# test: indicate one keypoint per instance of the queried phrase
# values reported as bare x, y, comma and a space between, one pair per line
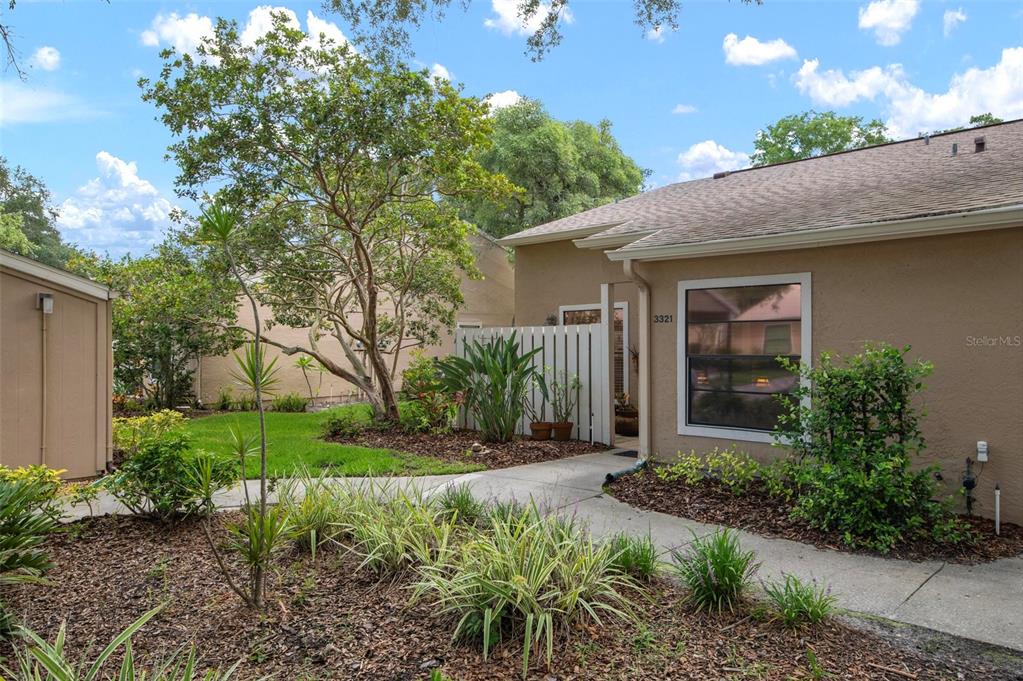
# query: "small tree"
338, 165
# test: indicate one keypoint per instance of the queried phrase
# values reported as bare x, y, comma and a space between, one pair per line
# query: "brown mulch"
466, 446
327, 620
756, 511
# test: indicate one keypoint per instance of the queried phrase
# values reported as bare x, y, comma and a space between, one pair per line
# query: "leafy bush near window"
289, 402
732, 468
796, 602
131, 434
687, 467
166, 481
493, 379
855, 443
716, 570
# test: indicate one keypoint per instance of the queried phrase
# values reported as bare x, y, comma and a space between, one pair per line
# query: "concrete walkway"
981, 602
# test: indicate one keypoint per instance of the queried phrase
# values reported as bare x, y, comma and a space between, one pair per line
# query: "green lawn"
294, 443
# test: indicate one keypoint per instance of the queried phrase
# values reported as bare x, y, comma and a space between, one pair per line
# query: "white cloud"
751, 52
46, 58
439, 71
508, 21
499, 100
888, 19
260, 22
183, 33
117, 211
703, 159
22, 103
909, 109
656, 34
683, 109
951, 19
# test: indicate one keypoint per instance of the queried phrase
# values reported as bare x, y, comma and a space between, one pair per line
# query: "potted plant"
564, 394
539, 428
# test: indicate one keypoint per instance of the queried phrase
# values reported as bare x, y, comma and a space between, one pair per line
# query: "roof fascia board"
561, 235
613, 240
57, 276
993, 218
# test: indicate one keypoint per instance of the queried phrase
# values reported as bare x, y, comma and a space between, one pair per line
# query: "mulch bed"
327, 620
756, 511
466, 446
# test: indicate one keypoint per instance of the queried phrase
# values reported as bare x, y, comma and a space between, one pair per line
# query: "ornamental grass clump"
313, 509
526, 576
716, 570
796, 603
635, 556
458, 502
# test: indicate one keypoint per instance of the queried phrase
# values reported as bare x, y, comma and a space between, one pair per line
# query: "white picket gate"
576, 349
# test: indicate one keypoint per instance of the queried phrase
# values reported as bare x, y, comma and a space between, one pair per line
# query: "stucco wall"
77, 386
488, 300
950, 297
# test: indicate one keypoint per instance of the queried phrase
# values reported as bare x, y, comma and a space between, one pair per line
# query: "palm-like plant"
493, 377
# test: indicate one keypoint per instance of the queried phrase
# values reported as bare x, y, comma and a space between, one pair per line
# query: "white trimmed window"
730, 335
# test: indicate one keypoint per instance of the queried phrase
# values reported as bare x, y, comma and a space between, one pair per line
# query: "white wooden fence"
578, 349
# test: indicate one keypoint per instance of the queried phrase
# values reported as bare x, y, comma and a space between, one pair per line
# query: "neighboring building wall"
78, 383
488, 301
938, 295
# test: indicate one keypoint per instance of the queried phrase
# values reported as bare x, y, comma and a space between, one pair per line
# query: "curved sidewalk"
979, 602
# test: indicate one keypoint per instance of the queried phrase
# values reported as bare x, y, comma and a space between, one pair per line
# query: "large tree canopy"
339, 169
25, 206
563, 168
383, 25
811, 134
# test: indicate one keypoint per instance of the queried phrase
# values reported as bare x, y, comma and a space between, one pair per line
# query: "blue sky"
684, 104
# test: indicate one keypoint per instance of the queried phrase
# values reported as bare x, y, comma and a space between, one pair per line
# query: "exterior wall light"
44, 302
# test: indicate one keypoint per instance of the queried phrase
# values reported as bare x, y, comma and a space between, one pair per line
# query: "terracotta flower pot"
540, 430
562, 431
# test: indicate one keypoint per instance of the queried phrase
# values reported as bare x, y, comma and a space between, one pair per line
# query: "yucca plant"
260, 535
797, 602
716, 570
40, 660
493, 378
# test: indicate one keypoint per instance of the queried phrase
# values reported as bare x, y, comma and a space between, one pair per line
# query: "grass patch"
295, 444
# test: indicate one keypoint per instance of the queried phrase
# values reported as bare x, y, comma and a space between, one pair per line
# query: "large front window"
734, 333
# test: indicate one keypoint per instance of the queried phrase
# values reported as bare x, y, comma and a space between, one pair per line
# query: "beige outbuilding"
914, 243
56, 375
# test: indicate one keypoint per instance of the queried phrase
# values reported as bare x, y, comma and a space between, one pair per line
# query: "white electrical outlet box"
981, 451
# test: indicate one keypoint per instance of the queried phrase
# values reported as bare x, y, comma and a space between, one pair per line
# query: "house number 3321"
662, 319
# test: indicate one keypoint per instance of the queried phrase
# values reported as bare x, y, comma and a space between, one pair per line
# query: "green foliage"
564, 394
855, 442
313, 509
12, 238
635, 556
27, 215
428, 408
492, 378
310, 366
173, 309
257, 538
562, 168
225, 399
734, 469
687, 467
392, 138
289, 402
346, 423
254, 372
716, 570
44, 661
814, 133
797, 602
529, 574
167, 482
130, 434
458, 502
26, 518
245, 402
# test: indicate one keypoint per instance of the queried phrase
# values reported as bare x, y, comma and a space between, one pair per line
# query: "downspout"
42, 389
644, 357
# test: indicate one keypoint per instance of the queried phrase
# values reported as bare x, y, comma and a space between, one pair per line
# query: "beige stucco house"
488, 302
917, 242
56, 376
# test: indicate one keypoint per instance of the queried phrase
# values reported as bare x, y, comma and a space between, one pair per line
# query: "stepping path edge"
976, 602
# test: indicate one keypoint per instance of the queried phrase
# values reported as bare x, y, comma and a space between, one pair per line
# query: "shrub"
716, 570
346, 423
315, 513
429, 413
734, 469
493, 379
225, 398
458, 502
26, 518
165, 481
257, 538
421, 376
687, 467
635, 556
245, 403
855, 432
796, 602
289, 402
131, 434
529, 574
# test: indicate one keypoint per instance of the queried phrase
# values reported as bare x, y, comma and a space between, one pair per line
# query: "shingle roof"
893, 181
